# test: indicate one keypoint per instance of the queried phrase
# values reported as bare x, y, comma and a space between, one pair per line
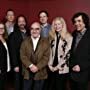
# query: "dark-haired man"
80, 53
43, 17
10, 20
15, 40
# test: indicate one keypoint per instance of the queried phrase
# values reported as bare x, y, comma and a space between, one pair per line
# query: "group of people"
44, 56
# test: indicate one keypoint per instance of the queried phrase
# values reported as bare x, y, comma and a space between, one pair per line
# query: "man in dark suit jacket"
80, 53
15, 40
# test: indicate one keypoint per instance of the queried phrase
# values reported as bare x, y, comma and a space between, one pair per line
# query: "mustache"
22, 25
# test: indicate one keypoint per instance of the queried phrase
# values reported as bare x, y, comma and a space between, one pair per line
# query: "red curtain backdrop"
30, 8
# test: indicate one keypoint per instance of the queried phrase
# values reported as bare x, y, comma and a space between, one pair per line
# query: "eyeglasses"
35, 29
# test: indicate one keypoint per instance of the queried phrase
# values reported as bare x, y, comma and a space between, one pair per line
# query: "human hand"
51, 68
16, 69
34, 68
76, 68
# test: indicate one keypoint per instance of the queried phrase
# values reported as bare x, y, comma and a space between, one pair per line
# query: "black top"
3, 59
56, 51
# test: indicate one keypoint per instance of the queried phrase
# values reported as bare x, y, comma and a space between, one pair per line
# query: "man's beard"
22, 26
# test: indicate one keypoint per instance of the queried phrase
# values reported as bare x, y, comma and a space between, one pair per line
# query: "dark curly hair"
85, 18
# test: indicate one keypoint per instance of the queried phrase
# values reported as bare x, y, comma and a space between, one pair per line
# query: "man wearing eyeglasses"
34, 56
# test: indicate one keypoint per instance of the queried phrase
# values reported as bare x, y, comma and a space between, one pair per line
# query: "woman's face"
2, 29
58, 26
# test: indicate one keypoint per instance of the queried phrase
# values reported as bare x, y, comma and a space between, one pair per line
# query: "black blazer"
81, 57
3, 59
15, 40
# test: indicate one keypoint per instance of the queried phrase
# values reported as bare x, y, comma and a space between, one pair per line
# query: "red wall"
30, 8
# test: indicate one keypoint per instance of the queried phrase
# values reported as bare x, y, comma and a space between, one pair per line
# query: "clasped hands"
34, 68
53, 69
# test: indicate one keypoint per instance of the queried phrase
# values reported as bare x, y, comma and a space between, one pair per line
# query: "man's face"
43, 18
10, 16
35, 30
21, 22
79, 24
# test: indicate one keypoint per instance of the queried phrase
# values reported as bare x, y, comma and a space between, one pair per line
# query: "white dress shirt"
35, 41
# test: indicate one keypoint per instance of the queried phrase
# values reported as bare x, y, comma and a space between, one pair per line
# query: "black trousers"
33, 84
78, 85
18, 81
2, 81
58, 81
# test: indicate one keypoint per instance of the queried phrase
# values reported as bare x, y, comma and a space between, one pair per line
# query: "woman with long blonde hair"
61, 41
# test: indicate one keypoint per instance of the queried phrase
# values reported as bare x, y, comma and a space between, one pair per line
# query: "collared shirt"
23, 33
10, 28
35, 41
79, 36
45, 30
8, 57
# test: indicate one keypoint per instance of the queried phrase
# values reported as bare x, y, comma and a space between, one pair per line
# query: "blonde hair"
64, 32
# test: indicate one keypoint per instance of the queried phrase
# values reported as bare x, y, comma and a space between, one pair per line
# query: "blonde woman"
61, 41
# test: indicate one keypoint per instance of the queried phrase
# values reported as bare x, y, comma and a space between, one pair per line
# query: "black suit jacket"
81, 56
3, 59
15, 40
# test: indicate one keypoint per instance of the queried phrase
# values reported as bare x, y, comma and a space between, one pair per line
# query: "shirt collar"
23, 31
44, 25
82, 32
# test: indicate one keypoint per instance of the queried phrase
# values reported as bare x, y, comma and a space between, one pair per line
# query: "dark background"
30, 8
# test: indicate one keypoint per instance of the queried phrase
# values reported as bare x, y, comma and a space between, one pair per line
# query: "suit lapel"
39, 45
74, 39
31, 43
81, 42
21, 38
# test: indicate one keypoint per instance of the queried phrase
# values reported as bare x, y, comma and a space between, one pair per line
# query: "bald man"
34, 56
